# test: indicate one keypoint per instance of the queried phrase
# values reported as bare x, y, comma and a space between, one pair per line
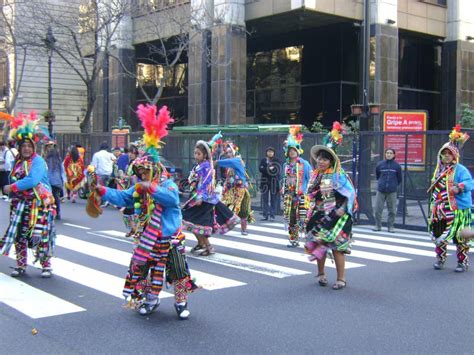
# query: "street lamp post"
50, 45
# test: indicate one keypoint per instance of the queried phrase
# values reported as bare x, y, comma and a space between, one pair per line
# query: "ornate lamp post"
49, 116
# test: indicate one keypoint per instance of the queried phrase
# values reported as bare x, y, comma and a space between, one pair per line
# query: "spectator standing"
389, 176
56, 177
270, 169
8, 156
103, 161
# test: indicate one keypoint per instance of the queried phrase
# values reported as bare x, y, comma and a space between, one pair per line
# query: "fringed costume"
32, 208
295, 181
332, 204
74, 175
450, 204
160, 246
236, 193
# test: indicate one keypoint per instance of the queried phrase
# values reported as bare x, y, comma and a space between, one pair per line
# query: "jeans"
273, 196
380, 199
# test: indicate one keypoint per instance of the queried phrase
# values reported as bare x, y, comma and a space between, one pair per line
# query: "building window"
435, 2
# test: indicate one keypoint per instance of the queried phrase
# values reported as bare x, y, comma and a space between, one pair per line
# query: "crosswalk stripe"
398, 249
97, 280
207, 281
31, 301
236, 262
76, 226
354, 253
399, 241
270, 251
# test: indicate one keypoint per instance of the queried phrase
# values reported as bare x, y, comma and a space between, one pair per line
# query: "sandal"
209, 251
339, 285
322, 280
197, 248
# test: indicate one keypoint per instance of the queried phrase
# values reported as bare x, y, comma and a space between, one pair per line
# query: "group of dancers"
319, 204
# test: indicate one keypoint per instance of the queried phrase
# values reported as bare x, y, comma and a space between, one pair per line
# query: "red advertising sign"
406, 121
120, 138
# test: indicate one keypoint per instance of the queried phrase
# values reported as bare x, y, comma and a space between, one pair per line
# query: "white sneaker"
46, 273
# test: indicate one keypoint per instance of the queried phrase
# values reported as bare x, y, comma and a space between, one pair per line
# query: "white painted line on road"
236, 262
31, 301
97, 280
207, 281
76, 226
355, 253
255, 266
399, 241
269, 251
404, 250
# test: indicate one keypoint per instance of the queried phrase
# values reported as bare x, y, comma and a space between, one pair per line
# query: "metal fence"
359, 156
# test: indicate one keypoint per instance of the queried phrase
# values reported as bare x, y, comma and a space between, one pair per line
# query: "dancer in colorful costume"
236, 194
295, 181
203, 213
451, 200
156, 204
332, 204
74, 167
32, 208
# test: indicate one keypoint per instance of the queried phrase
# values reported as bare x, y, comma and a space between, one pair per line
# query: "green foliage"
318, 127
467, 117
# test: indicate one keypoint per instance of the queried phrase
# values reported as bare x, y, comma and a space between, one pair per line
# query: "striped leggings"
21, 248
462, 252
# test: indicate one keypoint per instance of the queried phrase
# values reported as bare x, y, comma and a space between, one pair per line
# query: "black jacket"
389, 176
271, 173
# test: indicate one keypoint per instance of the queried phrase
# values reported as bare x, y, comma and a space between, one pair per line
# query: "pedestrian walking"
203, 213
32, 207
103, 161
155, 200
74, 168
389, 176
270, 170
450, 202
332, 204
7, 159
236, 193
297, 172
56, 177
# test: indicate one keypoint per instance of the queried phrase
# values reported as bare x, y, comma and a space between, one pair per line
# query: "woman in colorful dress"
32, 208
74, 167
332, 204
156, 204
236, 194
451, 200
297, 172
203, 213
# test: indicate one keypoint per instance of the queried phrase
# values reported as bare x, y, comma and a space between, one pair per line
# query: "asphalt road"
258, 297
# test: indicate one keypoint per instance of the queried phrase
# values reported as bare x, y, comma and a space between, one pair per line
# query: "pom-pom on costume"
450, 201
155, 200
236, 194
295, 181
203, 213
32, 208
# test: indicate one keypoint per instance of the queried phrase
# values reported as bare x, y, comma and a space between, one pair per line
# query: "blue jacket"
462, 175
389, 176
37, 174
166, 195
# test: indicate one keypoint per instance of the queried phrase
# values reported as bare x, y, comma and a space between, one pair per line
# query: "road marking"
395, 248
76, 226
207, 281
236, 262
354, 253
270, 251
31, 301
97, 280
399, 241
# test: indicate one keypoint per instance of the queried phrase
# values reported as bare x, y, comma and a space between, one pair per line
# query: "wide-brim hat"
206, 147
315, 149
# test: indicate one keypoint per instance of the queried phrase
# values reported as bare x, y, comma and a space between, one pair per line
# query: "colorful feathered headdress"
294, 140
456, 141
24, 127
233, 147
334, 138
155, 127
